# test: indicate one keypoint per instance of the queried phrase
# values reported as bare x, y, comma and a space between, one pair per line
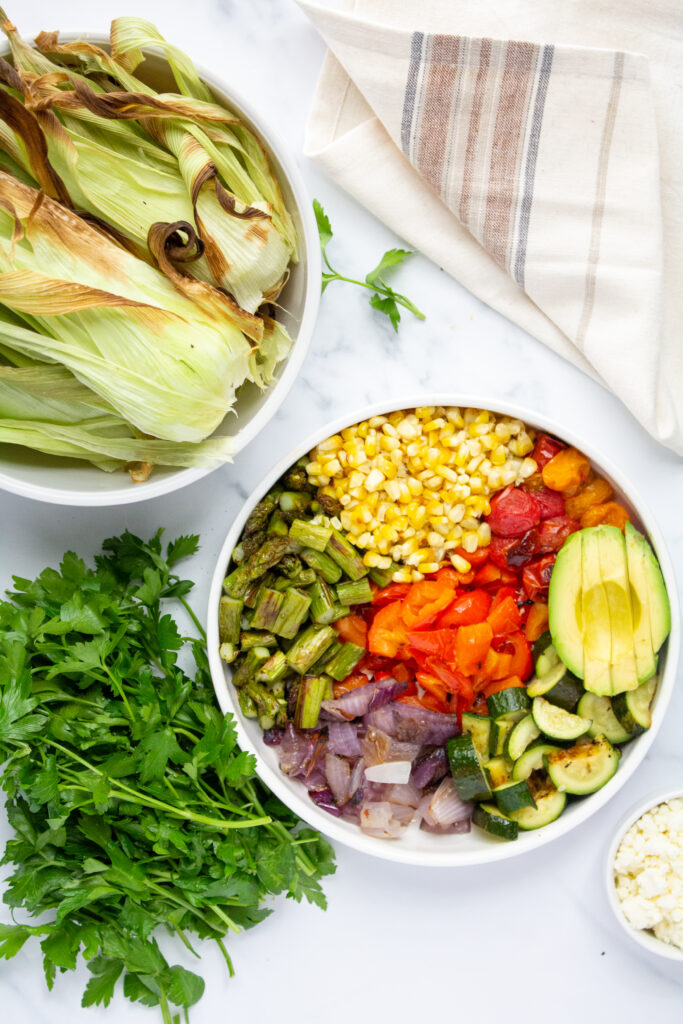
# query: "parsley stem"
134, 796
188, 609
224, 918
226, 955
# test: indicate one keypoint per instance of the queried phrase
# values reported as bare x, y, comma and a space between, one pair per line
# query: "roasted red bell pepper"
353, 629
471, 607
438, 642
388, 634
504, 615
472, 644
425, 602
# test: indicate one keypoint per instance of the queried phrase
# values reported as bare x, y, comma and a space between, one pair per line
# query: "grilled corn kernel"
416, 484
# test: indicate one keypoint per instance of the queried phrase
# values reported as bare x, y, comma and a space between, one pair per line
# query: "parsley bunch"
131, 804
384, 298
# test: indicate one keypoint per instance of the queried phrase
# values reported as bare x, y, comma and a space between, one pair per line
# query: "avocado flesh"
648, 583
595, 619
614, 572
564, 605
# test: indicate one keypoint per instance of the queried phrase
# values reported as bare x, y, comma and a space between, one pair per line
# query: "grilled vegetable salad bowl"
446, 627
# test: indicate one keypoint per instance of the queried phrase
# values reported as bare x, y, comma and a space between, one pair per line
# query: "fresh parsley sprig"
132, 807
384, 298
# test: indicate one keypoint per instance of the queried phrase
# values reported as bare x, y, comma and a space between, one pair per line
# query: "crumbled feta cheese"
648, 872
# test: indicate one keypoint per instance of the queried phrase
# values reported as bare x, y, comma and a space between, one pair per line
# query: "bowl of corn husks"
160, 268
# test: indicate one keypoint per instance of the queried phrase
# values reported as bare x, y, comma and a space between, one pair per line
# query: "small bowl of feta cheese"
645, 874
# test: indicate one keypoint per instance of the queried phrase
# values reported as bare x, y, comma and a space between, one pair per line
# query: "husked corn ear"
415, 484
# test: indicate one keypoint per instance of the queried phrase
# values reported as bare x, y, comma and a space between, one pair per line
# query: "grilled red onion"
343, 739
296, 751
379, 747
358, 702
357, 777
384, 820
407, 795
429, 766
338, 777
272, 737
442, 807
457, 828
415, 725
324, 799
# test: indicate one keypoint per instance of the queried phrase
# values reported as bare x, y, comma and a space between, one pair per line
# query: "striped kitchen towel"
526, 165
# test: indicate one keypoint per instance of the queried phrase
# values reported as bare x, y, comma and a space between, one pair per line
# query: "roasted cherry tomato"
550, 503
552, 533
610, 512
545, 449
475, 558
353, 629
471, 607
594, 491
513, 512
536, 577
567, 470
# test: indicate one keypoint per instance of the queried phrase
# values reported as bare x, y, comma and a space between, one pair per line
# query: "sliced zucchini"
541, 645
532, 760
498, 771
466, 769
523, 732
500, 730
557, 723
479, 727
583, 768
549, 804
489, 818
507, 702
633, 708
603, 720
513, 796
559, 686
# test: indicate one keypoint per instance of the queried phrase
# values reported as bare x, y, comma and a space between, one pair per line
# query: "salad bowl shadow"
63, 481
417, 846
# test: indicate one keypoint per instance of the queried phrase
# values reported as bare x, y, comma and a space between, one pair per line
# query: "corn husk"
46, 408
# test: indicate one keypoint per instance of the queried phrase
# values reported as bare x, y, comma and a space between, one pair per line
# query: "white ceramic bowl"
71, 482
646, 939
416, 846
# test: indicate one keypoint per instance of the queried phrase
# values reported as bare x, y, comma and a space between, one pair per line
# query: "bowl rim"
644, 938
276, 395
348, 833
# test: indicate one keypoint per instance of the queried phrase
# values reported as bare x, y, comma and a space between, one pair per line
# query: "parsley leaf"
384, 299
127, 794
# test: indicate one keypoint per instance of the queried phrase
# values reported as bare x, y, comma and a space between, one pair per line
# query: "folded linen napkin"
518, 145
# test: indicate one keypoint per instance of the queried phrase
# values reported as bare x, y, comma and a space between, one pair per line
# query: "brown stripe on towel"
438, 93
599, 202
473, 131
416, 44
506, 151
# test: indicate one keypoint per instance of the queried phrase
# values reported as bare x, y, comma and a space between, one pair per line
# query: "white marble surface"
528, 940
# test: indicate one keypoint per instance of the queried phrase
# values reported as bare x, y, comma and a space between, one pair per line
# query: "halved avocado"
651, 609
615, 579
564, 604
595, 620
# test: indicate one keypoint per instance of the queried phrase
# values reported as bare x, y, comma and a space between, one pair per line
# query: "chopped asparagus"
326, 657
332, 506
303, 579
249, 640
235, 585
322, 602
344, 662
294, 502
308, 647
250, 665
229, 619
292, 613
357, 592
345, 556
267, 608
277, 525
322, 564
312, 692
247, 704
268, 706
296, 478
228, 652
273, 670
260, 514
383, 577
310, 535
